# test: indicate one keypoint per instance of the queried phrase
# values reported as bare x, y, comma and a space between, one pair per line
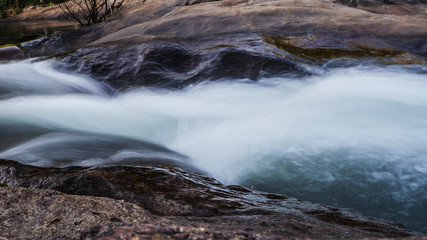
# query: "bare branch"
90, 11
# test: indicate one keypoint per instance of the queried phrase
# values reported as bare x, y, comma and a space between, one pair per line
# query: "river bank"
166, 198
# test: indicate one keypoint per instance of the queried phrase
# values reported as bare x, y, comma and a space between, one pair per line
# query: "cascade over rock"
181, 43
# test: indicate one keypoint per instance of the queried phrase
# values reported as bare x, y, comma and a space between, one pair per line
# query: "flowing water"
351, 137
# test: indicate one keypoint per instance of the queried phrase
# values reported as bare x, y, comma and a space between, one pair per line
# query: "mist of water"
39, 78
354, 137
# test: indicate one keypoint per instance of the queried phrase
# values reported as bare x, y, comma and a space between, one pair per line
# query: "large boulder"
11, 53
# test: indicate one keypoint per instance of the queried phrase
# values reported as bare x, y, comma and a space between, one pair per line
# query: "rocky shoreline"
175, 43
103, 203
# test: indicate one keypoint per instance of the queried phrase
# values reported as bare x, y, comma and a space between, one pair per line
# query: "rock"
143, 22
235, 63
162, 64
271, 17
177, 65
174, 20
190, 200
192, 2
177, 192
173, 43
379, 2
359, 50
176, 45
397, 7
150, 231
46, 214
11, 53
44, 46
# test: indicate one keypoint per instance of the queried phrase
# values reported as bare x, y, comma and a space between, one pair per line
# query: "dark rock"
11, 53
232, 63
414, 45
167, 65
161, 64
177, 65
112, 64
45, 46
190, 199
177, 192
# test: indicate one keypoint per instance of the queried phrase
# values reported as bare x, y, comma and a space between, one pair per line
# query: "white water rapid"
353, 137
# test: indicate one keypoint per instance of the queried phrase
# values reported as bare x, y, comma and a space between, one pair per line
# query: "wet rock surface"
176, 196
178, 64
160, 190
163, 64
11, 53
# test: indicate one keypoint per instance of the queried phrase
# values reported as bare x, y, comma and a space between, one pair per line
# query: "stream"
353, 137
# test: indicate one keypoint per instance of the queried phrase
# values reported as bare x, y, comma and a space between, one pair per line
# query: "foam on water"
354, 137
29, 78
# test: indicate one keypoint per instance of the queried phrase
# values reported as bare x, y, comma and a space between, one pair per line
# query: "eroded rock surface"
150, 231
162, 64
182, 198
46, 214
249, 56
